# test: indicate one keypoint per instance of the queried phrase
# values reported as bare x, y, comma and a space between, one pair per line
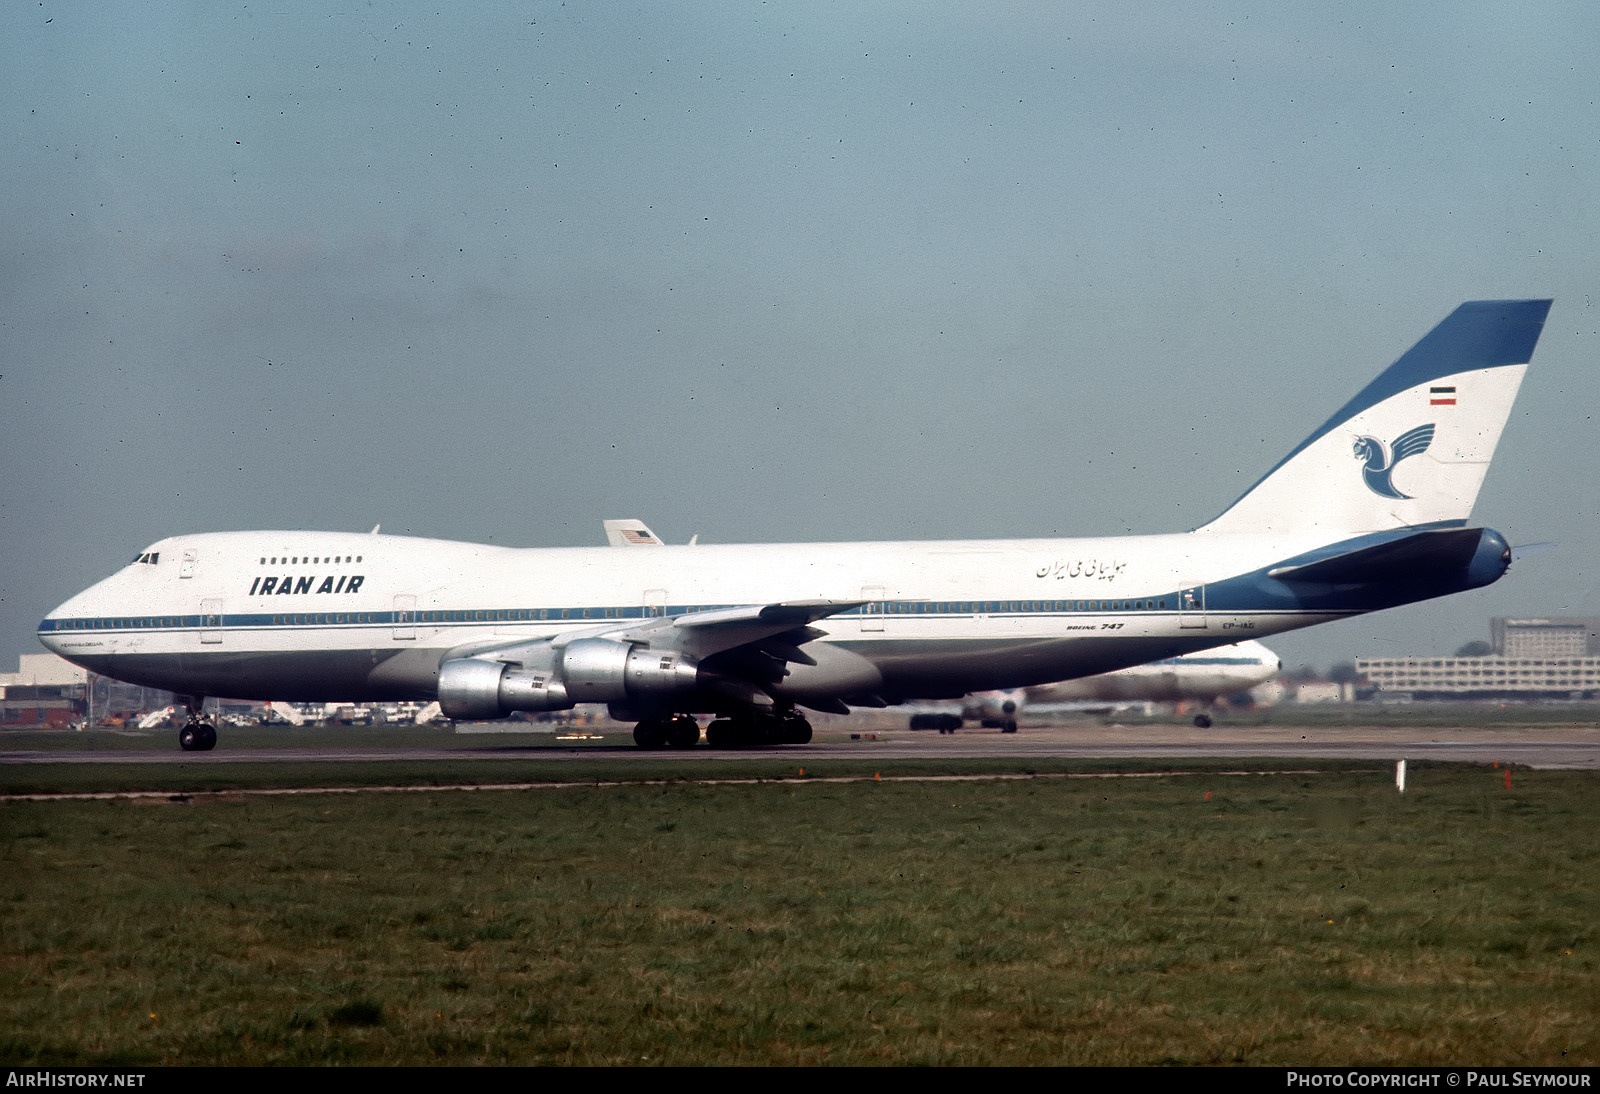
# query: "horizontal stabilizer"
630, 533
1422, 555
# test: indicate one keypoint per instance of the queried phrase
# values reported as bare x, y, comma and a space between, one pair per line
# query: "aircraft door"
211, 621
872, 610
655, 603
405, 616
1192, 607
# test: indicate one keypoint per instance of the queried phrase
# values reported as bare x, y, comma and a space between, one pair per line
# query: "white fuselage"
340, 616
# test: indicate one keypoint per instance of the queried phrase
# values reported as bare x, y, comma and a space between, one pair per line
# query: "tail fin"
1412, 448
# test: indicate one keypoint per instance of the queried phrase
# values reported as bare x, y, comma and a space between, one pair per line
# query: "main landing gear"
197, 734
678, 731
753, 728
745, 730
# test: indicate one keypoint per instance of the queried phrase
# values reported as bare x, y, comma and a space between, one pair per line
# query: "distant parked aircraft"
1203, 676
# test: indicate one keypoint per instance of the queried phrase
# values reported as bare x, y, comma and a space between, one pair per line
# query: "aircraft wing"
738, 651
742, 651
778, 629
718, 630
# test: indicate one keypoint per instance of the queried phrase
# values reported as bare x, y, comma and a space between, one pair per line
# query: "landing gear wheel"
723, 733
794, 729
197, 734
651, 733
1203, 721
197, 737
1009, 726
683, 732
788, 727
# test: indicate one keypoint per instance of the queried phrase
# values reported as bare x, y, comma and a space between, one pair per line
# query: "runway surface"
1562, 747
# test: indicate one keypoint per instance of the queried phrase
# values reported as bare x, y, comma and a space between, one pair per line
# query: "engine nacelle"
475, 690
589, 670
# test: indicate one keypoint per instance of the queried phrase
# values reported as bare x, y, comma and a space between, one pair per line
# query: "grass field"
1203, 919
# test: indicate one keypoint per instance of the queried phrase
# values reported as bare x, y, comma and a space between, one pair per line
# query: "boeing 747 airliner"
1369, 512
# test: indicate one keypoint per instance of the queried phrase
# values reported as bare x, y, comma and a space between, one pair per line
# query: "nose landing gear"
197, 734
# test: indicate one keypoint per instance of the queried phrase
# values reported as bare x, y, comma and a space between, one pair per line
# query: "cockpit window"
149, 558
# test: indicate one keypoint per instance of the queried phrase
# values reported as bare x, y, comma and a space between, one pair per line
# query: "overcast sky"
771, 272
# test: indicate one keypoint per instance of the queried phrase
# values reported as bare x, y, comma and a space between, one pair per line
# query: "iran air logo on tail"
1378, 460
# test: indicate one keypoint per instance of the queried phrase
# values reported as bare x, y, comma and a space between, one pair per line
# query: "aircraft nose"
48, 635
52, 630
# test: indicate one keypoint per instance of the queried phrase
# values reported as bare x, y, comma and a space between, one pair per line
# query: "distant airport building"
1532, 659
46, 690
51, 691
44, 670
1571, 637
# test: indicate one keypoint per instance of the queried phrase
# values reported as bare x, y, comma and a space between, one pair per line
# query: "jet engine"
545, 677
